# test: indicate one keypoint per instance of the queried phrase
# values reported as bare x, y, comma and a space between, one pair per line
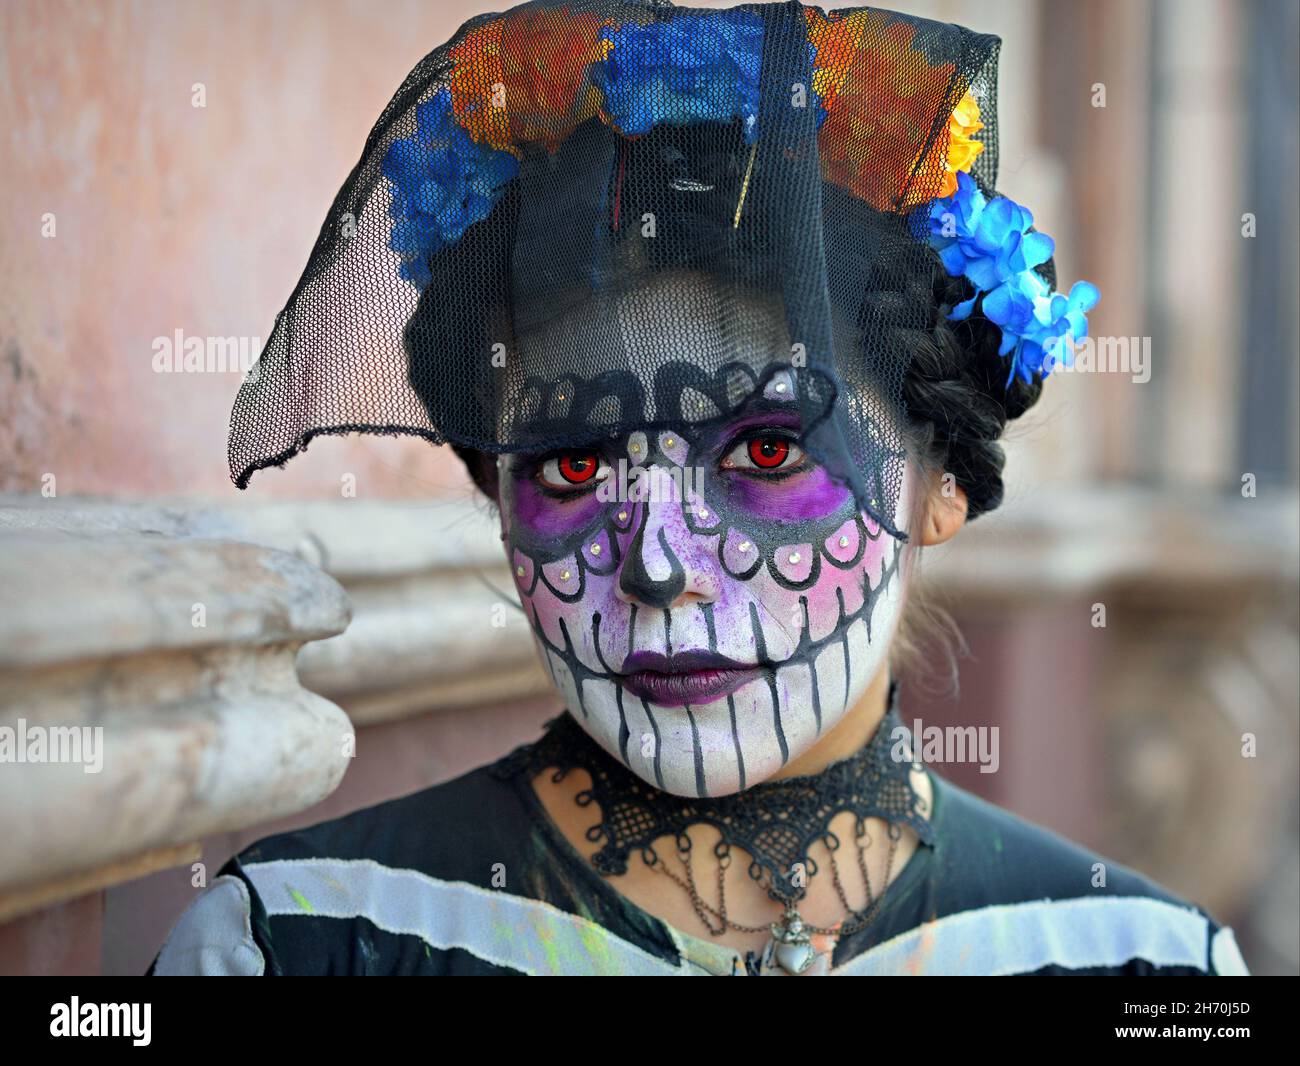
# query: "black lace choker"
776, 822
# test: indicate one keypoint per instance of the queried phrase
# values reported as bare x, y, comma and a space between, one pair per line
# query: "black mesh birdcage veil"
535, 325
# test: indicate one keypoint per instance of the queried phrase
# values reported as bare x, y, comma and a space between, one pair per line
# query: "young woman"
722, 313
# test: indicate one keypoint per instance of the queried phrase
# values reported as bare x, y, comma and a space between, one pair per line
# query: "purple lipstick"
686, 677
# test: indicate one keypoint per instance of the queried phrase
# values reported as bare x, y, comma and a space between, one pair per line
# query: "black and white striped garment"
472, 877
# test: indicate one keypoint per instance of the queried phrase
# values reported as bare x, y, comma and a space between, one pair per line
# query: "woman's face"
708, 601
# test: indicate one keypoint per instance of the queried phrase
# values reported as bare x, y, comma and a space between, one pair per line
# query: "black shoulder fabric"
963, 897
998, 884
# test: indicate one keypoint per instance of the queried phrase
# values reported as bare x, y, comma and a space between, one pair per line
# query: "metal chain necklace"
857, 921
775, 823
790, 946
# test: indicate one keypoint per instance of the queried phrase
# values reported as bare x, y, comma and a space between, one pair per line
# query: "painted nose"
663, 567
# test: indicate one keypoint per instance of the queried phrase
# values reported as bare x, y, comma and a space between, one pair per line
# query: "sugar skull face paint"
704, 637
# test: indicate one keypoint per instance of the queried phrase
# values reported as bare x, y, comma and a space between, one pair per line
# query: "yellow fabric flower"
963, 149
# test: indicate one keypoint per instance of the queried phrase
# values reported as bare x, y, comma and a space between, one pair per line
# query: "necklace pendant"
791, 947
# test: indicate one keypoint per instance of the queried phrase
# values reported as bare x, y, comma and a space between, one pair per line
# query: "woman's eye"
571, 469
764, 453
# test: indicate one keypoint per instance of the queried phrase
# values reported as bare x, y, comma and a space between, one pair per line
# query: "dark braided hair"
958, 399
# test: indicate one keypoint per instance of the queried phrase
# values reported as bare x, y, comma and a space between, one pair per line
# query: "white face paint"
705, 637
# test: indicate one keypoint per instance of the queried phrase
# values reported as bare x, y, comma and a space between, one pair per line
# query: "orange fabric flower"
884, 108
836, 42
519, 79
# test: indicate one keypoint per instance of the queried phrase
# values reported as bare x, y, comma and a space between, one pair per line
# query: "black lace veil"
547, 188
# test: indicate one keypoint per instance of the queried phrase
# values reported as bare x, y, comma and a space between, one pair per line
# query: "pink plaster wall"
174, 217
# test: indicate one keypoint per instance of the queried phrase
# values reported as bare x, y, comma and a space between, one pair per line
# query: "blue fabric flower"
442, 183
820, 111
988, 242
692, 68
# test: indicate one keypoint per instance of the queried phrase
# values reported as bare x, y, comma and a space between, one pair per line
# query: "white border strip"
528, 935
1226, 956
1020, 938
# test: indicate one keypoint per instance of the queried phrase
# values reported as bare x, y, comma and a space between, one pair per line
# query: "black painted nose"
635, 579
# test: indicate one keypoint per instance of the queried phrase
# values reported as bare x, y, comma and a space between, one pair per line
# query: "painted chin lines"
719, 745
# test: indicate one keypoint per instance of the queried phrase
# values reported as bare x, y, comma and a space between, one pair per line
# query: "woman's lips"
687, 677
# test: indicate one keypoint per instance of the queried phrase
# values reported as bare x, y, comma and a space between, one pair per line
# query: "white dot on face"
745, 545
795, 557
622, 516
669, 442
781, 386
703, 513
564, 575
595, 549
634, 448
844, 542
519, 570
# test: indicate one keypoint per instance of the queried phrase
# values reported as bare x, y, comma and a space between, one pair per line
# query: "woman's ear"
945, 510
